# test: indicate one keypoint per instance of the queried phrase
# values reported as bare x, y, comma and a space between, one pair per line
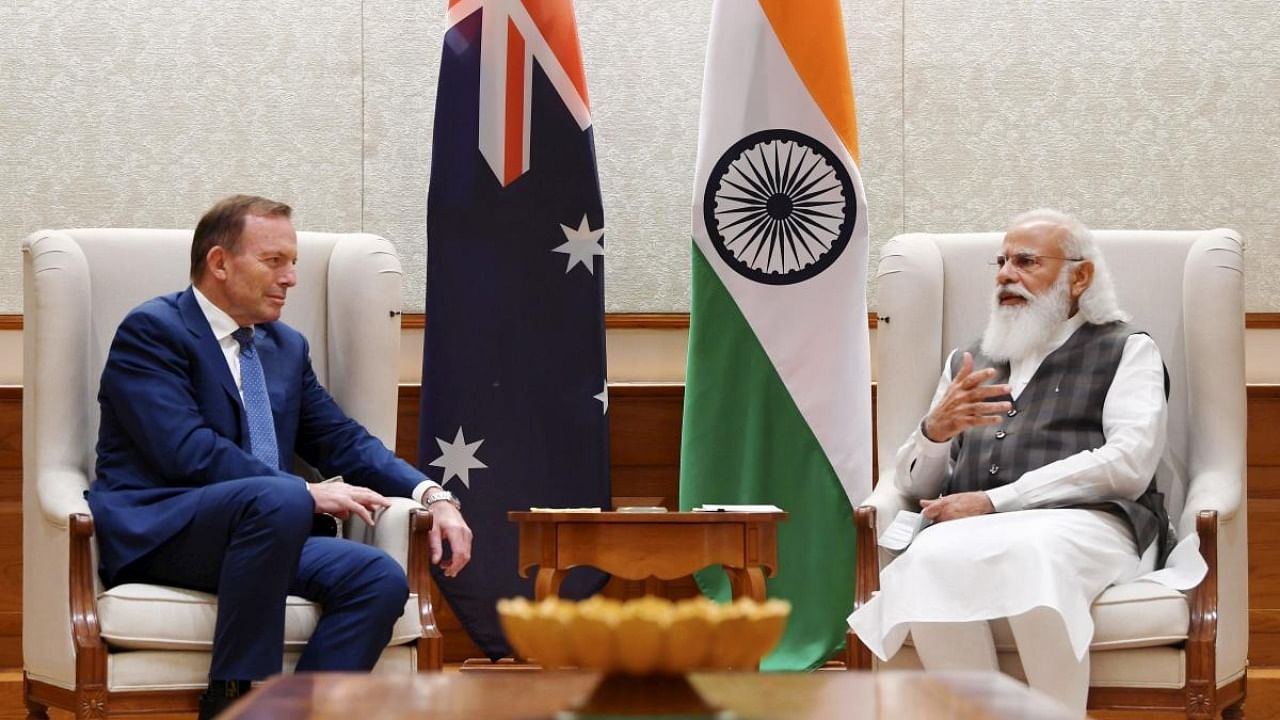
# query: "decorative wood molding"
646, 321
1262, 321
677, 321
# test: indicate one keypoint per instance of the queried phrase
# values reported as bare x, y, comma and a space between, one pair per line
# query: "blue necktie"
257, 404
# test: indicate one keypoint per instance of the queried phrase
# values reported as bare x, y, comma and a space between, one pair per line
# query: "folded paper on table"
737, 508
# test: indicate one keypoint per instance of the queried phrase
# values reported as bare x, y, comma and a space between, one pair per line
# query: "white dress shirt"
222, 326
1134, 415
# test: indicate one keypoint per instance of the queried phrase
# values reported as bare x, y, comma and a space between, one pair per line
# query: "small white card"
902, 531
738, 508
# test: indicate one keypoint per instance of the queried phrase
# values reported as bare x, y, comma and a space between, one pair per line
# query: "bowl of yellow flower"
644, 636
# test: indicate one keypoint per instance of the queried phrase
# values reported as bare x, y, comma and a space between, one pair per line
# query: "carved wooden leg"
35, 710
91, 704
1234, 711
547, 583
756, 589
1201, 701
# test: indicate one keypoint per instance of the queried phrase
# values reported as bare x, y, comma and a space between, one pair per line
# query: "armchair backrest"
79, 285
1185, 289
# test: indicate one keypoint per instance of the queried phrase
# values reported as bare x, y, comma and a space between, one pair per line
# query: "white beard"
1015, 332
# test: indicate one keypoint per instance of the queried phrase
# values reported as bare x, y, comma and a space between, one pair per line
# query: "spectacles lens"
1026, 262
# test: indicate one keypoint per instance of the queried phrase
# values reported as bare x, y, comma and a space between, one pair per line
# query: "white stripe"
814, 331
493, 95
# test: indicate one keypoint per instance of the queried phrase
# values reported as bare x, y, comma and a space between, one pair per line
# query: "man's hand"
965, 404
340, 500
447, 524
959, 505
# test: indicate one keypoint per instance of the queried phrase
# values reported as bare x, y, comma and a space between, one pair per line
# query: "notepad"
565, 510
738, 508
904, 528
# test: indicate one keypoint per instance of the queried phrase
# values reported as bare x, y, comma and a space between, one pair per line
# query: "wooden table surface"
776, 696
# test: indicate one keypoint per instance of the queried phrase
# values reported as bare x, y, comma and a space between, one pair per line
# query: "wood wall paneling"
1264, 525
11, 527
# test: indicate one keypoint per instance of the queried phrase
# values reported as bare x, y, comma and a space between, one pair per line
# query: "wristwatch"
440, 495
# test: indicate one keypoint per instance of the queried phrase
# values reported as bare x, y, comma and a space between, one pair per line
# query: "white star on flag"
582, 246
603, 397
458, 459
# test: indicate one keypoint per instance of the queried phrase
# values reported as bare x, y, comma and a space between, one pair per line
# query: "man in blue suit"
206, 397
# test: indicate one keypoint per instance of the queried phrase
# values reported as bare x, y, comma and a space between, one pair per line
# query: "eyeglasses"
1028, 262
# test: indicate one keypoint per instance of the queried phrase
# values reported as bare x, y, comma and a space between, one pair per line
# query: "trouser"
1048, 659
250, 543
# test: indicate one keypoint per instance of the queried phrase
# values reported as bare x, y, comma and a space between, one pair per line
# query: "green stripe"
744, 441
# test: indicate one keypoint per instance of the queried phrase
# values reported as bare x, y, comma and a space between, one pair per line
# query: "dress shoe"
220, 695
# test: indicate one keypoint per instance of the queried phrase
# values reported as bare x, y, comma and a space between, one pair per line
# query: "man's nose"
1006, 274
289, 278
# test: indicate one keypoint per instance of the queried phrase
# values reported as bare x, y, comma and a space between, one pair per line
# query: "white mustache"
1014, 290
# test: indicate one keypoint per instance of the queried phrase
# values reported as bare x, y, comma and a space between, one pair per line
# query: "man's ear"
215, 262
1081, 278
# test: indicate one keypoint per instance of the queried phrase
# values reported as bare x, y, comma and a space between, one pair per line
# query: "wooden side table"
636, 546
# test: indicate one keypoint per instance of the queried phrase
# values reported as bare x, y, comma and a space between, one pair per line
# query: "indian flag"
777, 398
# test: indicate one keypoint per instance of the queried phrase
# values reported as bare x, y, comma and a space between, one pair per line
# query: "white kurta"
1019, 558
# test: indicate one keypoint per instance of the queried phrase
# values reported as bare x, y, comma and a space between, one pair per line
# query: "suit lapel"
208, 349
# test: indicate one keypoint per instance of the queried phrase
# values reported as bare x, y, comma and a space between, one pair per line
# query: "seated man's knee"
389, 583
285, 502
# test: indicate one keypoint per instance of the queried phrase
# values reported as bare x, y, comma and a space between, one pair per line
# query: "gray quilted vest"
1058, 414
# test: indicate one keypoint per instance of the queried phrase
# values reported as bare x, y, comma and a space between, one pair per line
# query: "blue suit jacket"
173, 421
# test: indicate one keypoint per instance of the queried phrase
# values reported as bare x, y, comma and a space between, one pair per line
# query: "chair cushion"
137, 616
136, 670
1139, 614
1133, 615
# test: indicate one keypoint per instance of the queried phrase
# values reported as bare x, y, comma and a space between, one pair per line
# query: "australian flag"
514, 401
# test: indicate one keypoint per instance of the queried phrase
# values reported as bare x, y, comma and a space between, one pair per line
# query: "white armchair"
145, 648
1153, 648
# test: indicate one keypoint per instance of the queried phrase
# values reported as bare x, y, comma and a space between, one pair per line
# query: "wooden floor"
1263, 702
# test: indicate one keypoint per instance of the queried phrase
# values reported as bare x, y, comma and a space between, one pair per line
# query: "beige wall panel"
1129, 114
644, 63
402, 43
874, 31
120, 113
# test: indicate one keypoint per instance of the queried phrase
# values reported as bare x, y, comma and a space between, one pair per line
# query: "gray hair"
1098, 304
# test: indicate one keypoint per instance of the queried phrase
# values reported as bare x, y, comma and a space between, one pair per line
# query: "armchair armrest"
91, 652
403, 531
867, 580
876, 511
1202, 635
887, 501
431, 645
61, 493
1212, 490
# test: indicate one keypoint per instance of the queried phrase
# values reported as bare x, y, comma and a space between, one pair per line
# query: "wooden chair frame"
1200, 698
91, 699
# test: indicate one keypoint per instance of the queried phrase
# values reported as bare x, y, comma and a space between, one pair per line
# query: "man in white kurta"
1039, 548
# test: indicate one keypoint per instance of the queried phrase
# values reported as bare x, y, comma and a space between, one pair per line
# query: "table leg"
753, 584
747, 583
547, 583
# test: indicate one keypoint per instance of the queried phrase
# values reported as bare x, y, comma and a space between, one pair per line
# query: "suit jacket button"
1000, 434
1012, 412
995, 469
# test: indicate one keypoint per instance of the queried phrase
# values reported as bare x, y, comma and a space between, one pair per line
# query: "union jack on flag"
514, 400
515, 35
